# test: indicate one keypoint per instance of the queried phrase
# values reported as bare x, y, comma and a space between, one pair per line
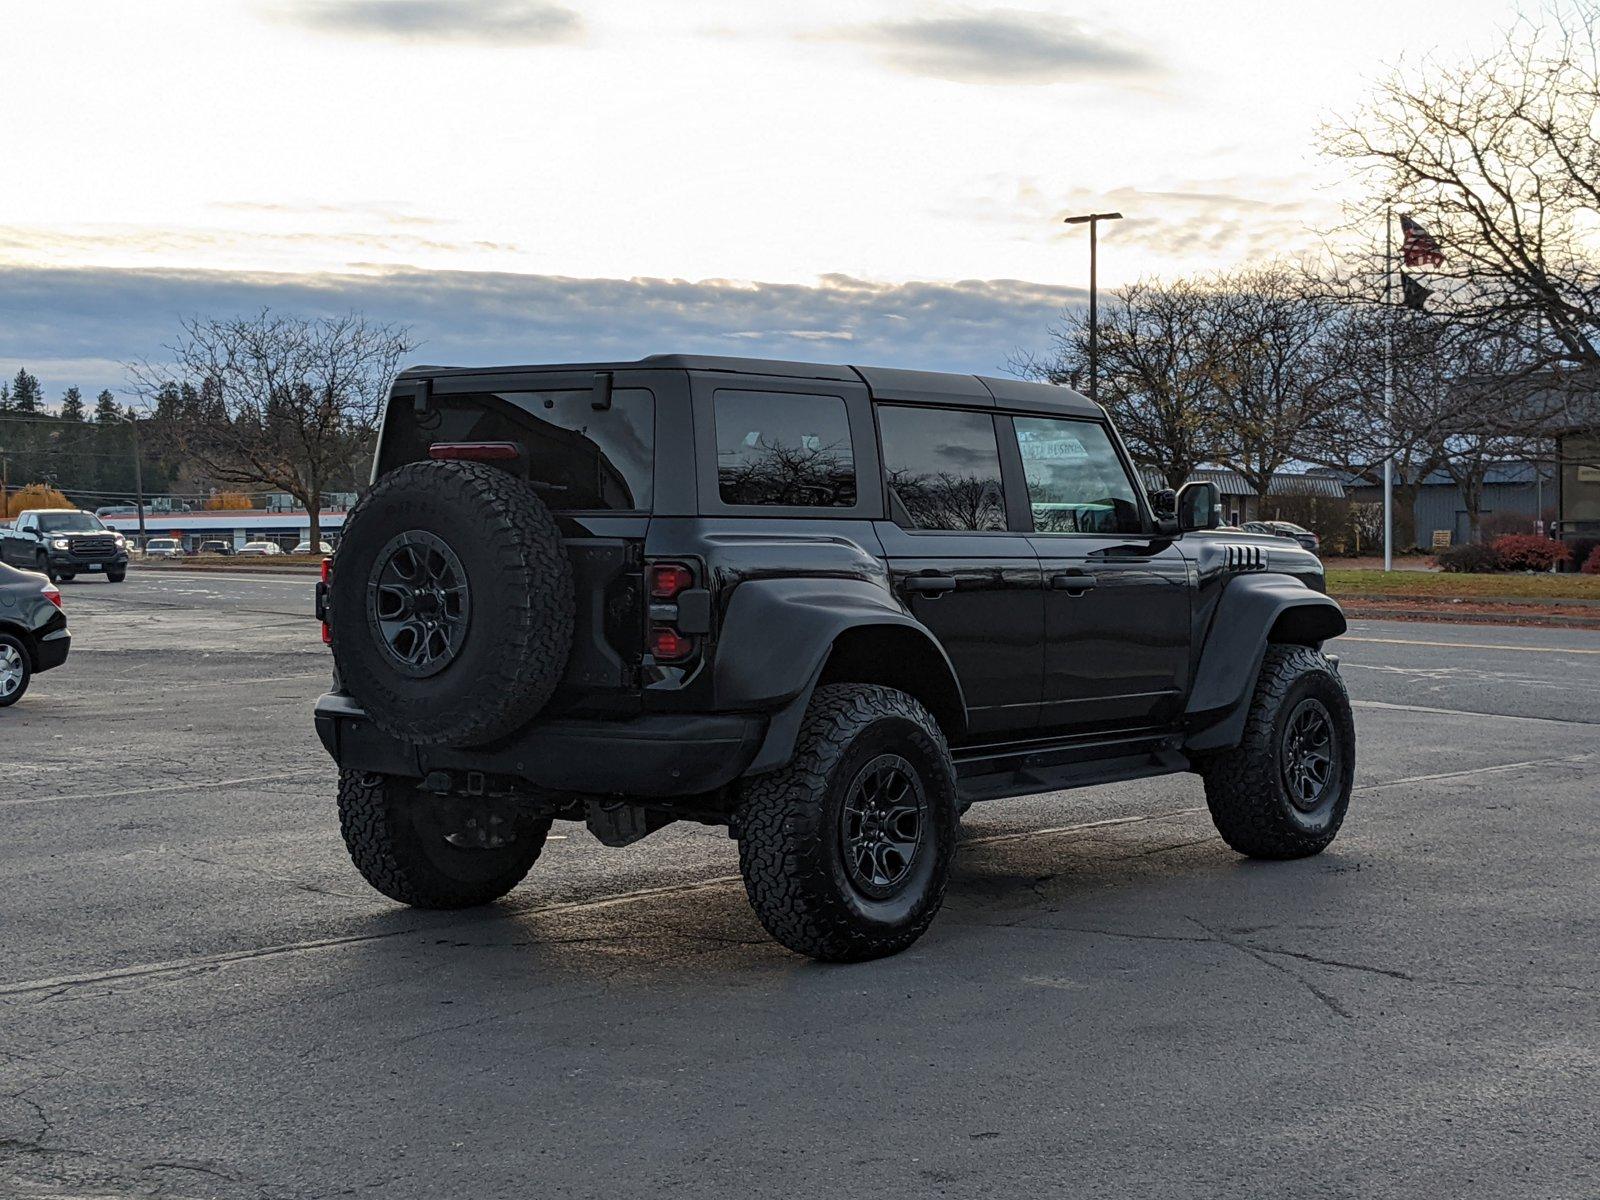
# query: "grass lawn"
1424, 583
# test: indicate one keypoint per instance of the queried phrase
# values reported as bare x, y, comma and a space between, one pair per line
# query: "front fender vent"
1245, 558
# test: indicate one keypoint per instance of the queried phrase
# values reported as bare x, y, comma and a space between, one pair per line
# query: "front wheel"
845, 851
42, 565
116, 574
1283, 791
433, 851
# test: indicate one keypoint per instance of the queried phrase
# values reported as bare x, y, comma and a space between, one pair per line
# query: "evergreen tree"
106, 409
5, 396
72, 405
25, 391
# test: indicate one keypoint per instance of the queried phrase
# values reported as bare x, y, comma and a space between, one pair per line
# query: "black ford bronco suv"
827, 607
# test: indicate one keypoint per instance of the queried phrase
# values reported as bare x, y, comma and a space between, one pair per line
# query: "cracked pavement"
199, 997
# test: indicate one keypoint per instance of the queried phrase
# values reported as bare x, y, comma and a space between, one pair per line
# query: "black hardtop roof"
885, 383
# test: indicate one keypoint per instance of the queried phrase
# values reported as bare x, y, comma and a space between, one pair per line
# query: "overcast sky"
767, 176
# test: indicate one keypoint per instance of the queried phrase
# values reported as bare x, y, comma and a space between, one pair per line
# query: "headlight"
60, 544
119, 540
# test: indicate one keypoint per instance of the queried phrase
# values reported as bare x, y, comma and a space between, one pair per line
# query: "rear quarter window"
784, 449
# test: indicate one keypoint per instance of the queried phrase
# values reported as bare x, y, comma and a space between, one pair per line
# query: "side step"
993, 772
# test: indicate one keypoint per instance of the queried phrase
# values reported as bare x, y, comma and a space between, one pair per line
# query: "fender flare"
1252, 612
776, 639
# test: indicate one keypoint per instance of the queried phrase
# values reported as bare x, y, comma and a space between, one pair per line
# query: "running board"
1026, 768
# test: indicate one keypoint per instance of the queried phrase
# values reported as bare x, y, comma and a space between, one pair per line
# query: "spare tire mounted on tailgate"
452, 603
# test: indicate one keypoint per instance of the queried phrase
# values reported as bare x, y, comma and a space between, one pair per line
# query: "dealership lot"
199, 996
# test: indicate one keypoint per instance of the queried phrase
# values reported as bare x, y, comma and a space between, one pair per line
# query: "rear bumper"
50, 650
643, 756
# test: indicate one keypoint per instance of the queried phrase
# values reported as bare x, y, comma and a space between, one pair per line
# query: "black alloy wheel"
1307, 754
420, 602
881, 825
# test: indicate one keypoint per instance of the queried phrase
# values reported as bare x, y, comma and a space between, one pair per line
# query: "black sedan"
33, 630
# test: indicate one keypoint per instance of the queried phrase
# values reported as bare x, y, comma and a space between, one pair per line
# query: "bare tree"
1159, 357
280, 400
1500, 159
1274, 381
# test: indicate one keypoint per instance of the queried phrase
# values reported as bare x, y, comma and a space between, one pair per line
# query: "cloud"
74, 325
492, 22
1002, 46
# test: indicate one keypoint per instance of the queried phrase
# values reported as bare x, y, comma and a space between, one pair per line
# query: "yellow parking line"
1468, 645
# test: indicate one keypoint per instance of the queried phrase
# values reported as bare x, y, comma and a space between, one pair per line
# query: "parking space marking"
198, 786
1566, 759
1467, 645
1463, 712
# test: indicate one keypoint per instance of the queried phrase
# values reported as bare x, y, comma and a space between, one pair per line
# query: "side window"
1076, 482
943, 469
785, 449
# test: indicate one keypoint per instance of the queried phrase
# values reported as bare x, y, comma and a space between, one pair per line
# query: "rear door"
957, 558
1117, 595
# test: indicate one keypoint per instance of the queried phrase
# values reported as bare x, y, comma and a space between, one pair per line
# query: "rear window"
579, 457
785, 449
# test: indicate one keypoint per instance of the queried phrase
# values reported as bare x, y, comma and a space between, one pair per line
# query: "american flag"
1419, 248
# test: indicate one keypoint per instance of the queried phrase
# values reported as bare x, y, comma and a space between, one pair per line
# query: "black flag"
1416, 293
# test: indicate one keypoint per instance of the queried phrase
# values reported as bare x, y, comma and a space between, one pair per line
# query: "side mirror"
1199, 506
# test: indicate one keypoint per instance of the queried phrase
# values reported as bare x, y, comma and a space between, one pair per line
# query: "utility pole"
138, 474
1093, 221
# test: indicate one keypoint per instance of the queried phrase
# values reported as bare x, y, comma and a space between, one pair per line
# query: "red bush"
1591, 566
1529, 552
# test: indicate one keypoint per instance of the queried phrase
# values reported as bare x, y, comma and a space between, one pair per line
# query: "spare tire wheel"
452, 604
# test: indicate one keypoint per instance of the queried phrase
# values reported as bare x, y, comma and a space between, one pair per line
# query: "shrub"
1591, 565
1582, 550
35, 495
1528, 552
1469, 558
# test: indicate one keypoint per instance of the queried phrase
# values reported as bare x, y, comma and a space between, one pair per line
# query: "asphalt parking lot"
200, 998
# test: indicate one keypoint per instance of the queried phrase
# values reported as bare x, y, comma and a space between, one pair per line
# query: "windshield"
69, 522
162, 543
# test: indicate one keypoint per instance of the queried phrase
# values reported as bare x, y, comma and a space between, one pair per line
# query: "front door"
962, 571
1117, 596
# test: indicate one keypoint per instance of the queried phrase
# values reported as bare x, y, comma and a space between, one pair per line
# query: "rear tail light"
53, 594
667, 644
668, 582
668, 579
322, 600
474, 451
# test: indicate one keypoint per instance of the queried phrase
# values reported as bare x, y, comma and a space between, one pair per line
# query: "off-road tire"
519, 625
1245, 789
15, 644
401, 852
790, 849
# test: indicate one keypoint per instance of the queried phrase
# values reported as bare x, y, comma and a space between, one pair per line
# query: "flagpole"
1388, 388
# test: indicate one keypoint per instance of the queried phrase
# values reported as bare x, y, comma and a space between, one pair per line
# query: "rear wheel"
845, 851
1283, 791
433, 851
15, 669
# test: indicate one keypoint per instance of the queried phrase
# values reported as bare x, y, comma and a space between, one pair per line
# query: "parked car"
259, 549
827, 607
305, 548
64, 543
216, 547
1286, 529
163, 547
33, 630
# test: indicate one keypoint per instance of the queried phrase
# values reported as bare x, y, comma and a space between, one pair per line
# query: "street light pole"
1093, 221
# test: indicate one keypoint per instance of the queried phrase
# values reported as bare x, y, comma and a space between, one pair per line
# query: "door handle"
931, 585
1074, 583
